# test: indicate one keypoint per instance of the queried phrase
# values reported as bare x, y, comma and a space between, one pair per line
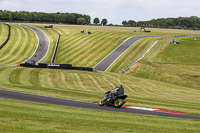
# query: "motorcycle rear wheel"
119, 103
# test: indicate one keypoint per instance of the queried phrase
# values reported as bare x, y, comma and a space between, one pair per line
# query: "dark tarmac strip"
78, 104
104, 64
43, 45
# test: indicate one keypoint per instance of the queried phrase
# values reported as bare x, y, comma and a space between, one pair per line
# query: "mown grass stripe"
72, 43
15, 76
95, 84
84, 49
21, 45
71, 47
73, 51
64, 45
81, 52
3, 33
16, 50
101, 51
90, 51
13, 38
35, 77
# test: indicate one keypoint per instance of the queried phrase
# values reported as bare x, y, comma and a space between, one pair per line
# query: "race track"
116, 53
43, 45
78, 104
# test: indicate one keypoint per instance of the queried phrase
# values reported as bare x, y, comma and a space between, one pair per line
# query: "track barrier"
55, 66
55, 50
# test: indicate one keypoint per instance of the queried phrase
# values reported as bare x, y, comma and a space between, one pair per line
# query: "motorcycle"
114, 97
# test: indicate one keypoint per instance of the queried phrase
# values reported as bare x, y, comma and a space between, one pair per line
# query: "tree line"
180, 22
66, 18
69, 18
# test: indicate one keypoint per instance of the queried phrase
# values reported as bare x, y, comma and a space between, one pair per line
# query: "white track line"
140, 108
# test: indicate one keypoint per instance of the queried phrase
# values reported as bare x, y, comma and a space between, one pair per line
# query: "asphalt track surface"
116, 53
78, 104
43, 45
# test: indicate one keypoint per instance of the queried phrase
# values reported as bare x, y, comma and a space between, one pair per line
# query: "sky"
115, 11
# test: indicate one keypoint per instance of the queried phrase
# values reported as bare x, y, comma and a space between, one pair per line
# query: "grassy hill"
87, 50
163, 79
19, 116
178, 64
3, 33
20, 47
91, 86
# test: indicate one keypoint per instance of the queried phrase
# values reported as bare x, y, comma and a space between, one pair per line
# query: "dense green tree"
124, 23
180, 22
96, 21
81, 21
131, 23
70, 18
104, 21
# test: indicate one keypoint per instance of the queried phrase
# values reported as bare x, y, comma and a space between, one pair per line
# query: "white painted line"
140, 108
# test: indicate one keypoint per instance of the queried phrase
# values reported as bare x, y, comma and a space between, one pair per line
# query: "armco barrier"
56, 66
55, 50
8, 38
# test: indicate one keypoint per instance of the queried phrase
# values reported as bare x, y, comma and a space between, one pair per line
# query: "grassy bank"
19, 116
3, 33
20, 47
91, 86
87, 50
178, 64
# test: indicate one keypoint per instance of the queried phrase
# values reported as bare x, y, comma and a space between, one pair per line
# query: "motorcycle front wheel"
119, 103
101, 103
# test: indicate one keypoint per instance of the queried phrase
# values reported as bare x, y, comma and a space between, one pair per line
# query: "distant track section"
104, 64
8, 38
149, 48
78, 104
43, 45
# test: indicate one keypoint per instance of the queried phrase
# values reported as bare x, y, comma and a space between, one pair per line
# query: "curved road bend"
104, 64
78, 104
43, 45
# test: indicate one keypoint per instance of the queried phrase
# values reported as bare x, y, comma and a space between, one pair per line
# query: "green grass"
20, 47
87, 50
91, 86
160, 80
3, 33
186, 53
177, 64
19, 116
